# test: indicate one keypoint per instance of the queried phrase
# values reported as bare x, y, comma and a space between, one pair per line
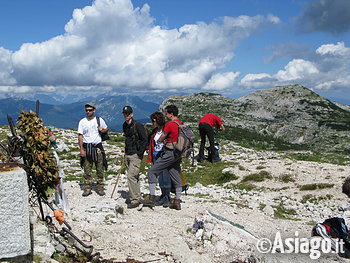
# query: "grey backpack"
185, 141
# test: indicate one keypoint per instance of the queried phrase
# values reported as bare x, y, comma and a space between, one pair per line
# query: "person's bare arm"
102, 130
162, 137
81, 147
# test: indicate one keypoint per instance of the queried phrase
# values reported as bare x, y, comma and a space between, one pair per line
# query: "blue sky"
88, 48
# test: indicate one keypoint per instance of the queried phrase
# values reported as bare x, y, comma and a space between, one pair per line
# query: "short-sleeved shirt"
211, 119
172, 129
88, 128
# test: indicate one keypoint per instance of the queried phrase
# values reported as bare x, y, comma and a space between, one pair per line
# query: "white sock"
178, 192
152, 189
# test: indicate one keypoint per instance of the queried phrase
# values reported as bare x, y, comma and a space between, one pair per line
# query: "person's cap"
127, 110
90, 104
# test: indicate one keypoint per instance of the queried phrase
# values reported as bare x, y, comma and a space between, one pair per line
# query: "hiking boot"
100, 190
164, 201
87, 191
149, 200
133, 204
175, 204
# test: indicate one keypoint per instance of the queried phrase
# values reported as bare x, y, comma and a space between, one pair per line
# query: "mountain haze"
68, 115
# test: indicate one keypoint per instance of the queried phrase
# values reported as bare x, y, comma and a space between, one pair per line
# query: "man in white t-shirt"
91, 149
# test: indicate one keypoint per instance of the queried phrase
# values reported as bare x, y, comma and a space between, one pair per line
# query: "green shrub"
311, 187
244, 186
252, 139
286, 178
315, 199
282, 213
257, 177
200, 195
308, 187
208, 173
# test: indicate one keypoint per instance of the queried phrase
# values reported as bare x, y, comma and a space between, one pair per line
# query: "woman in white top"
155, 149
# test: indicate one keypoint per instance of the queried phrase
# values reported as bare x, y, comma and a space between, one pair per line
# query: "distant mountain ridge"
59, 99
67, 116
292, 113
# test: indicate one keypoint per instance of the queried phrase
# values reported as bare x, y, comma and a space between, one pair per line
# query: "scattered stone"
269, 210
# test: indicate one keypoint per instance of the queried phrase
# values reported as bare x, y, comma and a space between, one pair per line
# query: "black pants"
206, 130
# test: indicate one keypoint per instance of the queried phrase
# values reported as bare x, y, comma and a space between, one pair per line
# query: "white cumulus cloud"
113, 44
274, 19
257, 80
297, 69
338, 49
221, 81
6, 67
327, 70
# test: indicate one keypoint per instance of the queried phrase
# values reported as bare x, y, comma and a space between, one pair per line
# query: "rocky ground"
278, 203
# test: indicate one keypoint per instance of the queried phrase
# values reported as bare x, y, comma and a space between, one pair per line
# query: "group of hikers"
161, 149
162, 152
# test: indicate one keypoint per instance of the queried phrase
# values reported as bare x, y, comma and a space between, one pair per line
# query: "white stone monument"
14, 212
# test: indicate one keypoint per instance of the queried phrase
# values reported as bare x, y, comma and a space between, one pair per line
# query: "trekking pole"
118, 176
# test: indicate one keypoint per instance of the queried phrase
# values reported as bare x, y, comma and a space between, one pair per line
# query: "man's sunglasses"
88, 110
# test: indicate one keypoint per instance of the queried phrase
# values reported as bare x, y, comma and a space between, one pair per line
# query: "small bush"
200, 195
324, 185
286, 178
315, 199
241, 168
257, 177
208, 174
244, 186
282, 213
262, 206
308, 187
311, 187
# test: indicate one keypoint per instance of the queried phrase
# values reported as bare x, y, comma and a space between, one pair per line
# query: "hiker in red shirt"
205, 125
169, 160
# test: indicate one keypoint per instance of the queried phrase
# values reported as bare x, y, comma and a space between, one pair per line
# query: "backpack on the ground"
334, 227
216, 154
185, 141
104, 135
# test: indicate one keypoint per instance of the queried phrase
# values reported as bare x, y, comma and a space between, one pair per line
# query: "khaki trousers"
133, 163
88, 177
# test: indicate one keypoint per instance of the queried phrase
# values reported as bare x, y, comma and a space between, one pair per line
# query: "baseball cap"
127, 110
90, 104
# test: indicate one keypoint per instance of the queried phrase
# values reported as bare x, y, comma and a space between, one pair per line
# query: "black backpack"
104, 135
338, 228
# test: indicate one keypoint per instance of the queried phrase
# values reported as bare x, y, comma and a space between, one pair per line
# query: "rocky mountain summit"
292, 113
